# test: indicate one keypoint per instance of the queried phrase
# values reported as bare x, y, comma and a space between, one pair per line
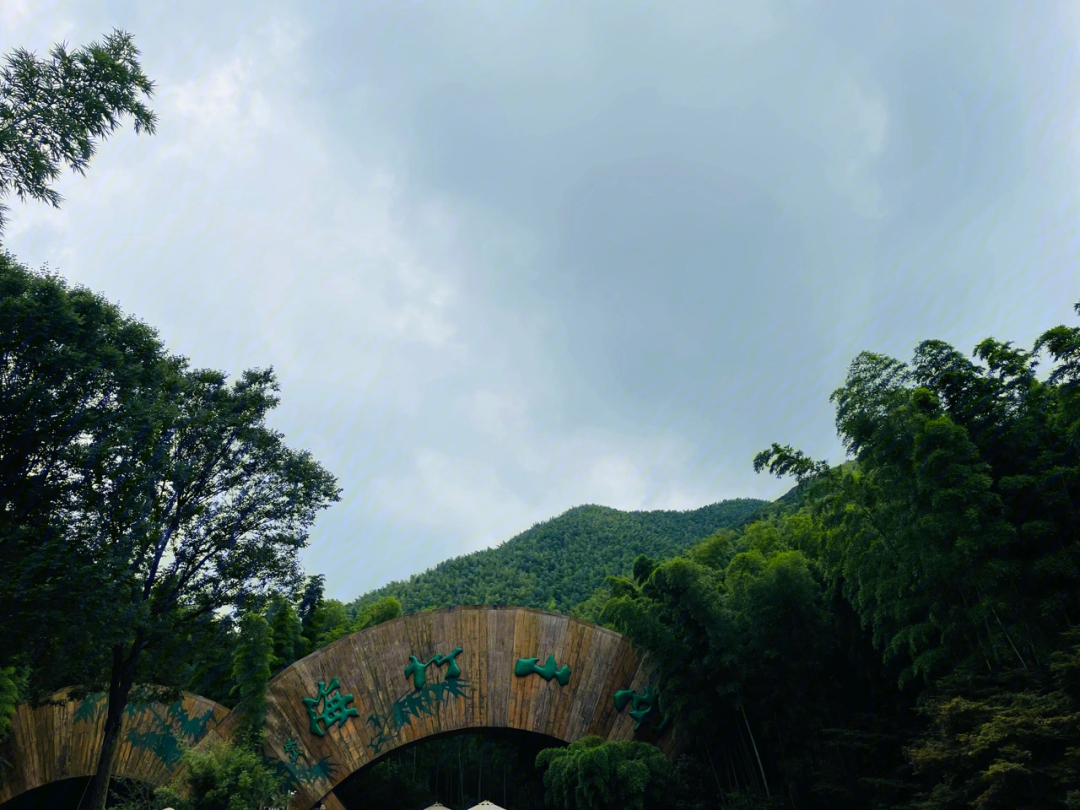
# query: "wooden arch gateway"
463, 668
455, 669
61, 740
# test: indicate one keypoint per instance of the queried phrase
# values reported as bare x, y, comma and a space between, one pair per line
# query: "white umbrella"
485, 805
436, 806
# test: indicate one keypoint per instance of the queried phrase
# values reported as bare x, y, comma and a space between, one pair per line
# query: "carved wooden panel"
62, 741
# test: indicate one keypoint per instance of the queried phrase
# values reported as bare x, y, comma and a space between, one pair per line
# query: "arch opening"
457, 768
67, 794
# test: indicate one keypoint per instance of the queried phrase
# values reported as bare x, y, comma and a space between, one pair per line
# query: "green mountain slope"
559, 563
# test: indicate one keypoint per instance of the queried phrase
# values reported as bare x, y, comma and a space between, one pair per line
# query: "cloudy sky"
511, 257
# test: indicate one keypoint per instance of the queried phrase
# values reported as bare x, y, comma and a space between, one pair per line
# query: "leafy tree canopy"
591, 774
53, 112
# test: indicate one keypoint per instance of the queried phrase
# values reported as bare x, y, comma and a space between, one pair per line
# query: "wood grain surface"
62, 739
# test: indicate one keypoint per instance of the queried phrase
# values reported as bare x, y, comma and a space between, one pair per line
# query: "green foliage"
77, 378
137, 496
52, 112
560, 563
286, 631
313, 592
329, 621
591, 774
592, 609
1002, 742
955, 537
11, 686
716, 550
252, 656
224, 777
197, 659
381, 610
740, 647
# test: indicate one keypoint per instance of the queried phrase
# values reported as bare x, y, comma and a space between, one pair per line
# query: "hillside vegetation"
561, 562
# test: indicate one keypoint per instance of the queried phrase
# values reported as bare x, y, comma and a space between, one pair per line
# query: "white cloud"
489, 492
35, 26
498, 415
864, 116
14, 13
219, 110
232, 104
359, 294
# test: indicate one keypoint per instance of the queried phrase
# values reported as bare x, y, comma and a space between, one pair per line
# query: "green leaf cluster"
252, 656
220, 776
591, 774
53, 111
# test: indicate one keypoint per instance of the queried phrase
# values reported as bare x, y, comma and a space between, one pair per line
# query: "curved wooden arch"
414, 677
387, 711
62, 739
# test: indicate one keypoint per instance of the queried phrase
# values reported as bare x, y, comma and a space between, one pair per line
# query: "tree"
955, 538
286, 631
9, 698
381, 610
52, 112
251, 672
955, 535
75, 374
221, 776
207, 512
328, 622
591, 774
739, 637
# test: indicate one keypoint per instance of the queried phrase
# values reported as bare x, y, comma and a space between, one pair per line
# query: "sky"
507, 258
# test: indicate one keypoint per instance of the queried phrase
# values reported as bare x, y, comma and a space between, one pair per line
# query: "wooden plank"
500, 634
365, 685
601, 659
524, 647
551, 640
619, 672
330, 802
578, 636
47, 744
442, 642
479, 665
418, 627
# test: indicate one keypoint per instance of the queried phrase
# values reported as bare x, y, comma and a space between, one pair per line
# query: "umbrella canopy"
436, 806
485, 805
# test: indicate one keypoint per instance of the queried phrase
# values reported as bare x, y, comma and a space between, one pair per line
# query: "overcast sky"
512, 257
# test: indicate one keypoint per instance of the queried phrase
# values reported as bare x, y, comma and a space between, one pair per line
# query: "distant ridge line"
560, 562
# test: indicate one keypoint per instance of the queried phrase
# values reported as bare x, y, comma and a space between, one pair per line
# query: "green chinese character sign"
417, 669
640, 705
527, 666
335, 707
293, 750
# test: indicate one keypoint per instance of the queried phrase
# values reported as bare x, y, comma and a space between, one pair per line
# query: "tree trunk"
121, 679
716, 776
753, 742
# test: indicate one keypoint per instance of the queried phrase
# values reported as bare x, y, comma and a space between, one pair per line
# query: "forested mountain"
559, 563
